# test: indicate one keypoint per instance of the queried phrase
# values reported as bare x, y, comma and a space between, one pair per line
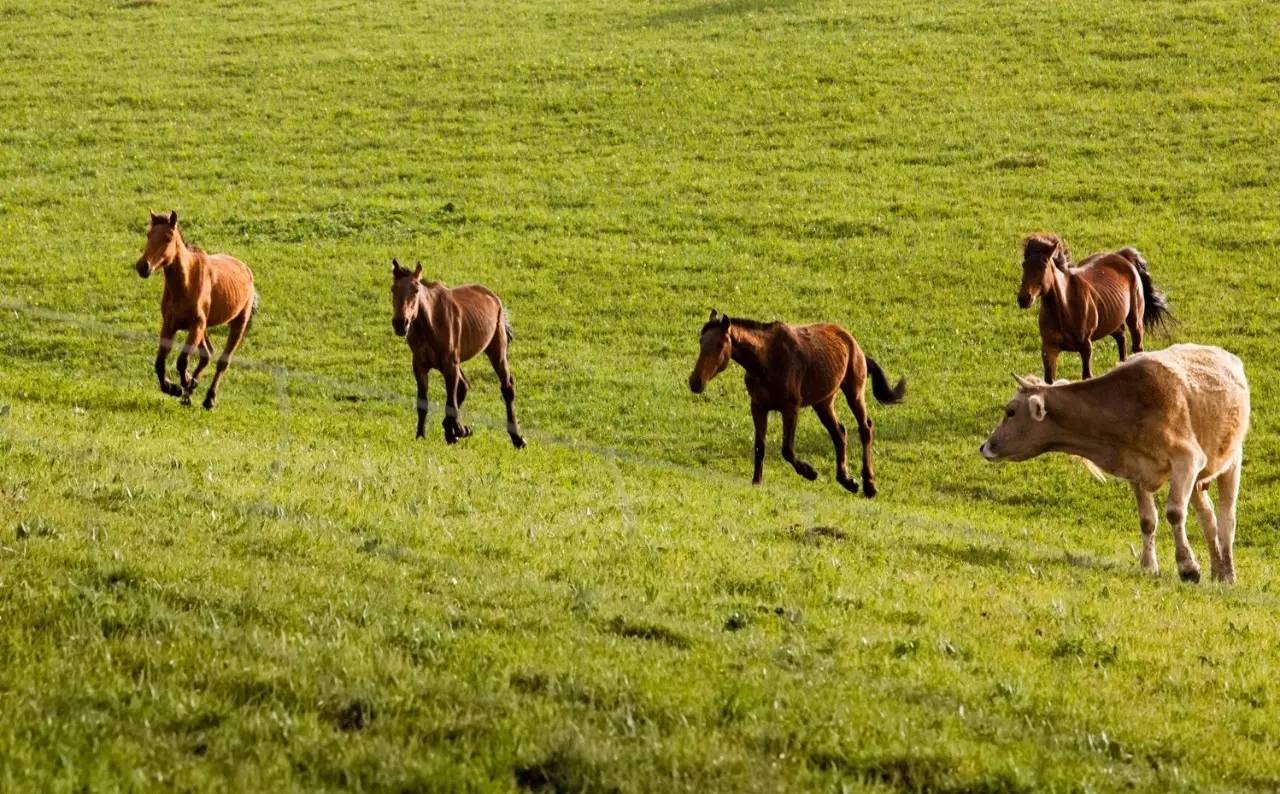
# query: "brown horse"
445, 327
793, 367
201, 291
1081, 304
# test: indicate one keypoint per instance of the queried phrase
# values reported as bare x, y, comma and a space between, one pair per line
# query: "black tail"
1155, 304
880, 385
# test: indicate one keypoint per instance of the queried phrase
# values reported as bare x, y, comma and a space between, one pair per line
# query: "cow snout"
985, 451
143, 267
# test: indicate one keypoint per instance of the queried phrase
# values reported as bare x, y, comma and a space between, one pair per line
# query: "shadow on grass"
701, 12
999, 557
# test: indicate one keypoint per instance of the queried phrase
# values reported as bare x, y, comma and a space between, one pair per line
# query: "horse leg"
760, 418
167, 331
205, 350
1228, 491
1049, 355
1119, 337
453, 429
866, 431
839, 439
1147, 521
1136, 331
1086, 355
235, 336
789, 415
464, 386
1208, 526
497, 352
420, 373
195, 340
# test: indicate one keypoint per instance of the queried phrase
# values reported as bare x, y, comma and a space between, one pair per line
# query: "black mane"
741, 322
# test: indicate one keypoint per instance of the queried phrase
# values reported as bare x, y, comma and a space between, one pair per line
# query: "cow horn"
1023, 383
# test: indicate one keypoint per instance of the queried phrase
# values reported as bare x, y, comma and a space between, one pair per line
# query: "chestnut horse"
1081, 304
201, 291
445, 327
793, 367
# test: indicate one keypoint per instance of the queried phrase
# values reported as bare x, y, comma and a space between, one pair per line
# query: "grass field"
291, 593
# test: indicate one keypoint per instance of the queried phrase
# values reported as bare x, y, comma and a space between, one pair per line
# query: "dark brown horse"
445, 327
201, 291
1081, 304
793, 367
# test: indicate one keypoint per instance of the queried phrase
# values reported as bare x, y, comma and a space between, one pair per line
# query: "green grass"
292, 593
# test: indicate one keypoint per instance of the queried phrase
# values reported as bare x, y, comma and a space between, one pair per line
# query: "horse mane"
1045, 242
742, 322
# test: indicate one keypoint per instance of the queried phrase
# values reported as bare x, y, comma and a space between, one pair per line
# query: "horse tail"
253, 308
1155, 304
880, 385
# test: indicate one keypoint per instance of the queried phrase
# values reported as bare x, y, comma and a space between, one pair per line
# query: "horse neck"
1056, 297
426, 305
748, 348
177, 274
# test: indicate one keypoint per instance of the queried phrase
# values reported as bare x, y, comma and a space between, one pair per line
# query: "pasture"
290, 592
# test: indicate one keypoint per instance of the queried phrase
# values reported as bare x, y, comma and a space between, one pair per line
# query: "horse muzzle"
399, 326
696, 385
1025, 299
144, 268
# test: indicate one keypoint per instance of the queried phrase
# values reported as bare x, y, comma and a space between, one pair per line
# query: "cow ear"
1036, 404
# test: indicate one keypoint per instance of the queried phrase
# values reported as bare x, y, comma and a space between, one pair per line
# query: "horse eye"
1008, 413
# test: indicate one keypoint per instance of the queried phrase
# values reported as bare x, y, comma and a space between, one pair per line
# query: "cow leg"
760, 417
1086, 355
789, 415
1181, 483
1119, 337
1228, 490
1209, 526
840, 440
1049, 355
1147, 521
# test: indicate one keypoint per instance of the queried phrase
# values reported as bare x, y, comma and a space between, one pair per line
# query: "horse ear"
395, 265
173, 218
724, 321
417, 271
714, 316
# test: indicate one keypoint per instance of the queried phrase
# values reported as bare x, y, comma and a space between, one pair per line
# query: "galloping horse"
1081, 304
793, 367
445, 327
201, 291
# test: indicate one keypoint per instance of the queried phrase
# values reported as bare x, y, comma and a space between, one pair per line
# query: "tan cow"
1177, 415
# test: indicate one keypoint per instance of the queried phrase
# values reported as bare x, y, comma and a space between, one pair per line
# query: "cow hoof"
1192, 575
849, 485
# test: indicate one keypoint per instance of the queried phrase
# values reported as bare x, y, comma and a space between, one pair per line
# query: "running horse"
793, 367
1080, 304
201, 291
445, 327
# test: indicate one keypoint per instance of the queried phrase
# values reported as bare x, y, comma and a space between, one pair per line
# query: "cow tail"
880, 385
506, 325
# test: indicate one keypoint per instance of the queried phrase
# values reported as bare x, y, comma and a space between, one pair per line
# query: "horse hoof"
464, 431
1192, 576
185, 399
806, 471
849, 485
869, 490
209, 403
172, 389
517, 441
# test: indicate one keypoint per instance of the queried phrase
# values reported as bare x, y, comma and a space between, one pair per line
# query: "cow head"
1025, 430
